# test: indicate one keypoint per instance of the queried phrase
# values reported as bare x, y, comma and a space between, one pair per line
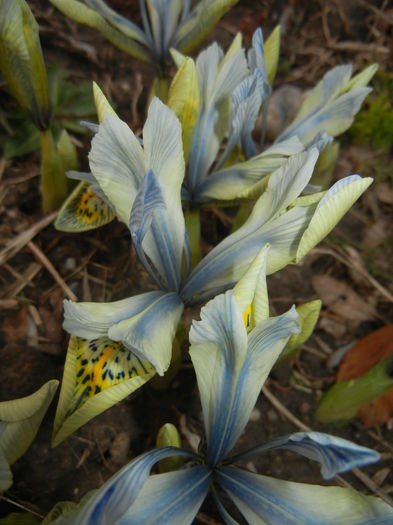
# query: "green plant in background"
374, 124
22, 66
166, 24
70, 103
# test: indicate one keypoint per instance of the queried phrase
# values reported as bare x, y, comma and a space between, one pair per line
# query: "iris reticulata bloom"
233, 349
118, 346
166, 24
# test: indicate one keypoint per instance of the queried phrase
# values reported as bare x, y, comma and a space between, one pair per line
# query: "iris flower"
165, 24
118, 346
233, 90
233, 349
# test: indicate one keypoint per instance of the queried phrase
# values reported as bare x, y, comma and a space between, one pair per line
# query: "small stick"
17, 243
52, 270
21, 506
366, 480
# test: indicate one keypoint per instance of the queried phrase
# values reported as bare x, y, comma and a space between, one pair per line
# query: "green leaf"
205, 16
21, 60
5, 474
24, 140
20, 420
272, 53
343, 400
84, 15
102, 105
325, 166
20, 518
308, 316
54, 185
361, 79
168, 436
86, 390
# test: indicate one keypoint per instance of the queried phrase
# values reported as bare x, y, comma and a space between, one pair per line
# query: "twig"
361, 476
52, 270
21, 506
17, 243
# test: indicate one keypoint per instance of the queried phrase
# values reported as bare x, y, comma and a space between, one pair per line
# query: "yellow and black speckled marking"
101, 364
247, 316
83, 210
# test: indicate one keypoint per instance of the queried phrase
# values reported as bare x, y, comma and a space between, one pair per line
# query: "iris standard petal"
163, 149
268, 501
229, 374
333, 453
170, 499
117, 163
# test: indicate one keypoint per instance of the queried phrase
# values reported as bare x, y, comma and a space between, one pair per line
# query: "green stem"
53, 179
193, 225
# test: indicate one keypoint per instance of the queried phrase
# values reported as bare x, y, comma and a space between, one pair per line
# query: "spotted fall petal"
268, 501
232, 368
97, 374
145, 324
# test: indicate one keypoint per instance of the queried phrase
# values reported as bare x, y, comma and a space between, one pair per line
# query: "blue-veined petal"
256, 55
246, 102
150, 333
237, 180
164, 242
330, 209
111, 501
333, 453
170, 499
92, 320
148, 200
120, 22
231, 71
231, 370
229, 260
207, 64
326, 90
268, 501
117, 163
325, 109
204, 148
223, 511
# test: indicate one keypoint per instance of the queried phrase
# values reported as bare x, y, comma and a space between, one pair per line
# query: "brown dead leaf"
340, 299
377, 234
359, 359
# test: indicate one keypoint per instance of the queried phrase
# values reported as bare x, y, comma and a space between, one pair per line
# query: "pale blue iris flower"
234, 90
143, 184
165, 24
233, 349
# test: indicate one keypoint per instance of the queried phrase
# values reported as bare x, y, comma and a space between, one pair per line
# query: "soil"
101, 265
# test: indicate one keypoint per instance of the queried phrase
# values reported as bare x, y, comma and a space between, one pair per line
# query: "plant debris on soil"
350, 271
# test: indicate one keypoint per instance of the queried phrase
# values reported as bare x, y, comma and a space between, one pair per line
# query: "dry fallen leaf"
340, 299
359, 359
